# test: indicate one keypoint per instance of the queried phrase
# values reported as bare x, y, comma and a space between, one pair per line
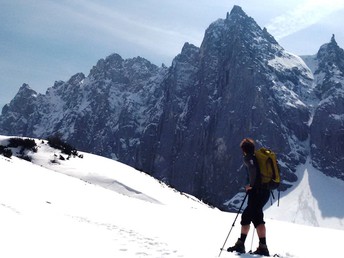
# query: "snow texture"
97, 207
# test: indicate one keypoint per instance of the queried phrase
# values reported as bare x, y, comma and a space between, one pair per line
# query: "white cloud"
305, 14
107, 26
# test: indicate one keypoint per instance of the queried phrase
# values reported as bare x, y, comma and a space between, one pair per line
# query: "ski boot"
262, 250
238, 247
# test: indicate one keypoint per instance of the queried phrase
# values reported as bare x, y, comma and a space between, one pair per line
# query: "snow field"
96, 207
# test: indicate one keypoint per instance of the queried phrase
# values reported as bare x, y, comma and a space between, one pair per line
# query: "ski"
250, 254
259, 255
253, 254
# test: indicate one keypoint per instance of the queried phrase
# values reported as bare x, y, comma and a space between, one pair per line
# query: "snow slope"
316, 200
96, 207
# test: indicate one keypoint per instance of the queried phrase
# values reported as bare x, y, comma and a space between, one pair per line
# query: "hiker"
258, 196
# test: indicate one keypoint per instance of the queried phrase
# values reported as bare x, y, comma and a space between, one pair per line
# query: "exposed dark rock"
183, 124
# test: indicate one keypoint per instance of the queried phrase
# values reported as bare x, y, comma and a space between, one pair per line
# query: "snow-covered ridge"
290, 61
104, 172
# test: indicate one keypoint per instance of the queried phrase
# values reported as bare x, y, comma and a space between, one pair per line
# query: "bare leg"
261, 231
245, 229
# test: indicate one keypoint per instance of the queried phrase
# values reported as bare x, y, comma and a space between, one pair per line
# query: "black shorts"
257, 198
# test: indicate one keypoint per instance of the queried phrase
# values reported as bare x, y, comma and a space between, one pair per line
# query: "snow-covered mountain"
96, 207
327, 127
183, 124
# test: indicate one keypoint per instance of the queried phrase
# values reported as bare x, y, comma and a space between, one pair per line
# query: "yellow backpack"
269, 169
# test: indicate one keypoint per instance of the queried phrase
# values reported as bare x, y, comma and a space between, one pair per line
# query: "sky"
97, 207
43, 41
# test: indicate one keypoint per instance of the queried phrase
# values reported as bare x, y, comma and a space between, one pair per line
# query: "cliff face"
183, 124
327, 127
239, 83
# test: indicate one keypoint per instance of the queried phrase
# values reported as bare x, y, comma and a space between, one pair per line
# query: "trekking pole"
279, 195
232, 225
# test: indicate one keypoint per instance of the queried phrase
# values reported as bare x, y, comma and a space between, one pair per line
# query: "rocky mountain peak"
327, 128
19, 109
333, 40
236, 11
107, 68
240, 19
116, 70
24, 95
330, 70
187, 47
76, 79
114, 60
189, 51
139, 68
26, 90
181, 124
330, 52
241, 33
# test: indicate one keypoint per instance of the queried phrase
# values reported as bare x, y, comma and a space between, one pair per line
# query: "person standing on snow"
258, 196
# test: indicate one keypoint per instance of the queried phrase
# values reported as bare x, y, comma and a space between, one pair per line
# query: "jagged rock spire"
26, 89
237, 10
333, 40
329, 51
